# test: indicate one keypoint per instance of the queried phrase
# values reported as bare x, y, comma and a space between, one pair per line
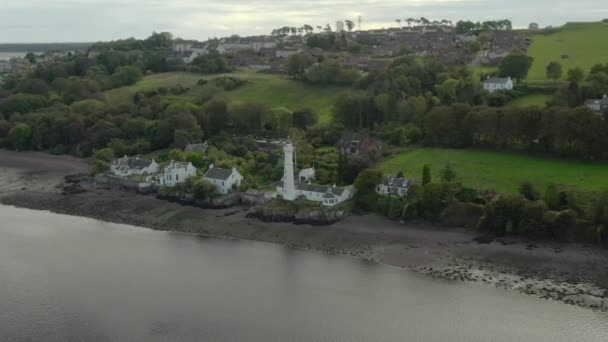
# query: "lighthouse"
289, 189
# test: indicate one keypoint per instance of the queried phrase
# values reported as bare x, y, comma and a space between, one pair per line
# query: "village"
224, 186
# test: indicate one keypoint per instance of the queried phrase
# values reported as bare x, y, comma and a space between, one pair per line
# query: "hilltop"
585, 45
272, 90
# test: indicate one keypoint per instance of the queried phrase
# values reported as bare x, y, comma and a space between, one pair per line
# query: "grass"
153, 82
586, 44
501, 171
272, 90
529, 100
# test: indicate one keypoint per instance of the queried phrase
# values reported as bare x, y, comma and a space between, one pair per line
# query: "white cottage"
492, 85
125, 167
306, 175
174, 173
225, 180
393, 186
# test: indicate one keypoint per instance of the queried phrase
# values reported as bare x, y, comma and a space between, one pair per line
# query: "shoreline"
569, 273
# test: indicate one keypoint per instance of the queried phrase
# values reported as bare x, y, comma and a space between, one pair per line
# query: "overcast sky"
95, 20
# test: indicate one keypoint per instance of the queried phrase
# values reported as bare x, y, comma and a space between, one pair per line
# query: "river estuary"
65, 278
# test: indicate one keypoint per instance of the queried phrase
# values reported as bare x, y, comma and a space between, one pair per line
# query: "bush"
529, 192
104, 154
459, 214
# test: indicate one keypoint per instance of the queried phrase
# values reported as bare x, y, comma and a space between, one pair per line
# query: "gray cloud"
93, 20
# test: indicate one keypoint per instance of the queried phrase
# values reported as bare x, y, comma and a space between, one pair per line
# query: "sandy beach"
570, 273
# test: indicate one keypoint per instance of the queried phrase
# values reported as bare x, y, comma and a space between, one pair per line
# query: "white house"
225, 180
126, 166
492, 85
306, 175
174, 173
328, 196
598, 105
393, 186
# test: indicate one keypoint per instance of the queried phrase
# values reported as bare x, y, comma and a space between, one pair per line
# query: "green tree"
297, 64
529, 192
104, 154
554, 71
20, 136
126, 75
426, 175
576, 75
448, 174
203, 189
515, 65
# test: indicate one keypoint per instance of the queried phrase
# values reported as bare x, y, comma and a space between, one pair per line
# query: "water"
5, 56
66, 278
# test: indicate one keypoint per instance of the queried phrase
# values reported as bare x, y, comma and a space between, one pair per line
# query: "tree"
20, 136
576, 75
126, 75
516, 65
203, 189
448, 174
529, 192
554, 71
304, 118
349, 25
426, 175
297, 64
398, 21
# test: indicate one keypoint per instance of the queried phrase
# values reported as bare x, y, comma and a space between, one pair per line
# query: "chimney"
211, 166
234, 170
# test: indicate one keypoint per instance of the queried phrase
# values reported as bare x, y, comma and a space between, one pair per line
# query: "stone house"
197, 148
173, 174
494, 84
393, 186
225, 180
360, 145
125, 167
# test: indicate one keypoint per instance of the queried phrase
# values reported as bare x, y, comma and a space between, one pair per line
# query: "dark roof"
218, 173
497, 80
396, 182
321, 189
202, 147
133, 163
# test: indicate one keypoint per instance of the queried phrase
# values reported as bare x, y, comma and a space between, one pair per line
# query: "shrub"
459, 214
529, 192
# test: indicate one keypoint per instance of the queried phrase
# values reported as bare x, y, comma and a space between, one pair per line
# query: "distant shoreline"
569, 273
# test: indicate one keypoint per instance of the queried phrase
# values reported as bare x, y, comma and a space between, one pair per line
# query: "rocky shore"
569, 273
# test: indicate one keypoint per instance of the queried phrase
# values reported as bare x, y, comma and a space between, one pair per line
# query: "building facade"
225, 180
492, 85
174, 173
393, 186
125, 167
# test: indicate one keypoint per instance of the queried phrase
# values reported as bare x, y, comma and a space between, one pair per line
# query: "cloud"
93, 20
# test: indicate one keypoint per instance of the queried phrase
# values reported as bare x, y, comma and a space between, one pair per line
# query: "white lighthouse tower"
289, 189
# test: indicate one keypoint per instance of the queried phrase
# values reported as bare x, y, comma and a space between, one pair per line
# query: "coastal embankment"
570, 273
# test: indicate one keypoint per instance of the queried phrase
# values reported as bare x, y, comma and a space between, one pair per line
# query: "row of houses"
174, 173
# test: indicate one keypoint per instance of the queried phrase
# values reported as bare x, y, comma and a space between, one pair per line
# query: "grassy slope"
503, 172
530, 100
586, 43
272, 90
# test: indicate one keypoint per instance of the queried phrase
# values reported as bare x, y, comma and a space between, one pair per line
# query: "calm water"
65, 278
9, 55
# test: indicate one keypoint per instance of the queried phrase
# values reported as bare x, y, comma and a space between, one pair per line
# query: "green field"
501, 171
529, 100
272, 90
586, 43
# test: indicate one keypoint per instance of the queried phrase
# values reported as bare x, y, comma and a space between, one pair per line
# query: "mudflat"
570, 273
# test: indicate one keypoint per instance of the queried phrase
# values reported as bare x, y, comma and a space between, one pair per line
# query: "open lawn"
529, 100
501, 171
585, 43
269, 89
